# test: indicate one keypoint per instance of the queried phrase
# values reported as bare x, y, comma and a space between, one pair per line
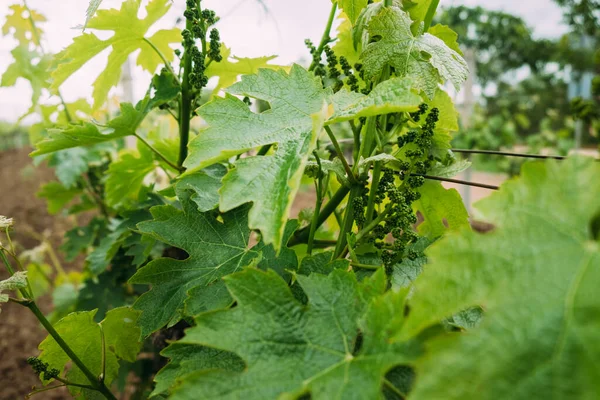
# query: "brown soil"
20, 333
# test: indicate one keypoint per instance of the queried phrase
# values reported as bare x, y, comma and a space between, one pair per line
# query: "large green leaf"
215, 249
83, 336
423, 57
129, 35
217, 245
294, 121
536, 276
291, 348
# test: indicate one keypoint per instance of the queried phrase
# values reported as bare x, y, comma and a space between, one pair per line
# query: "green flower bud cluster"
351, 79
402, 193
199, 21
331, 71
359, 204
214, 51
422, 137
198, 78
332, 63
400, 220
41, 368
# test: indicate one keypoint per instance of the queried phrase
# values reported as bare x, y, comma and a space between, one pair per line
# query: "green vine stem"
325, 38
374, 190
95, 382
348, 221
301, 236
319, 187
430, 13
159, 154
340, 154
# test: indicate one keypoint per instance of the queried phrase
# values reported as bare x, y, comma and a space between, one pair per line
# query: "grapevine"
199, 283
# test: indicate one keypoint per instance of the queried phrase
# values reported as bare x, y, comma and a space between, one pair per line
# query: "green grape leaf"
205, 185
129, 36
120, 236
83, 336
442, 210
215, 249
24, 67
417, 9
352, 8
91, 11
344, 45
38, 275
292, 349
57, 196
293, 122
423, 57
391, 96
230, 68
448, 171
17, 281
19, 25
186, 358
405, 272
447, 35
536, 276
81, 238
125, 124
125, 176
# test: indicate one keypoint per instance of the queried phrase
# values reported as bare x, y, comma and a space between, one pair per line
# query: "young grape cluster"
200, 21
335, 77
401, 192
42, 368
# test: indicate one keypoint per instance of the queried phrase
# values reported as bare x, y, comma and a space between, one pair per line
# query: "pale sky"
245, 27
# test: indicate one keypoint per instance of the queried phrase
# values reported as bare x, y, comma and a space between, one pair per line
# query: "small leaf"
91, 10
423, 57
391, 96
17, 281
230, 68
442, 210
19, 25
83, 336
126, 124
57, 195
448, 171
204, 185
352, 8
25, 67
126, 174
